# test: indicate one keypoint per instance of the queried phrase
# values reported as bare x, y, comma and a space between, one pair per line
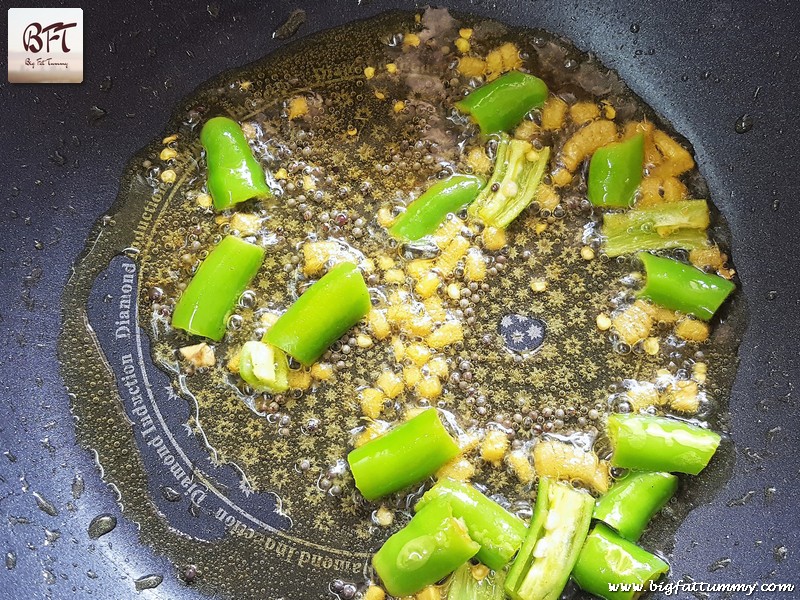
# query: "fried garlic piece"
692, 330
583, 112
553, 113
677, 159
634, 323
560, 460
199, 355
585, 141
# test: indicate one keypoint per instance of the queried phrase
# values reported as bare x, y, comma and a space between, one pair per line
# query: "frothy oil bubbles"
355, 153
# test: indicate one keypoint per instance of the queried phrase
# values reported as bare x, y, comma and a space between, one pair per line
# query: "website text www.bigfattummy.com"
669, 588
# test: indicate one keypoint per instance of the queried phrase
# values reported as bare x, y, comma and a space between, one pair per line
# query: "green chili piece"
631, 502
463, 586
682, 287
651, 443
208, 300
615, 172
234, 175
404, 455
560, 522
608, 560
518, 170
322, 314
636, 240
501, 104
264, 367
426, 213
499, 533
430, 547
679, 224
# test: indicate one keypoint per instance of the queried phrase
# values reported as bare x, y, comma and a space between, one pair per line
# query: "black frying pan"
702, 65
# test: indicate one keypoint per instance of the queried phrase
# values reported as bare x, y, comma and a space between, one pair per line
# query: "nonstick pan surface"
702, 65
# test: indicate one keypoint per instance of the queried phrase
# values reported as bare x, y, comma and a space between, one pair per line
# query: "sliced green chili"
617, 244
463, 586
608, 560
679, 224
651, 443
322, 314
631, 502
615, 172
264, 367
678, 286
560, 522
499, 533
234, 175
208, 300
430, 547
426, 213
518, 170
404, 455
501, 104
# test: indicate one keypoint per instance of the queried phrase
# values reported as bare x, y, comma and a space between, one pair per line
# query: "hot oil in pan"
261, 479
